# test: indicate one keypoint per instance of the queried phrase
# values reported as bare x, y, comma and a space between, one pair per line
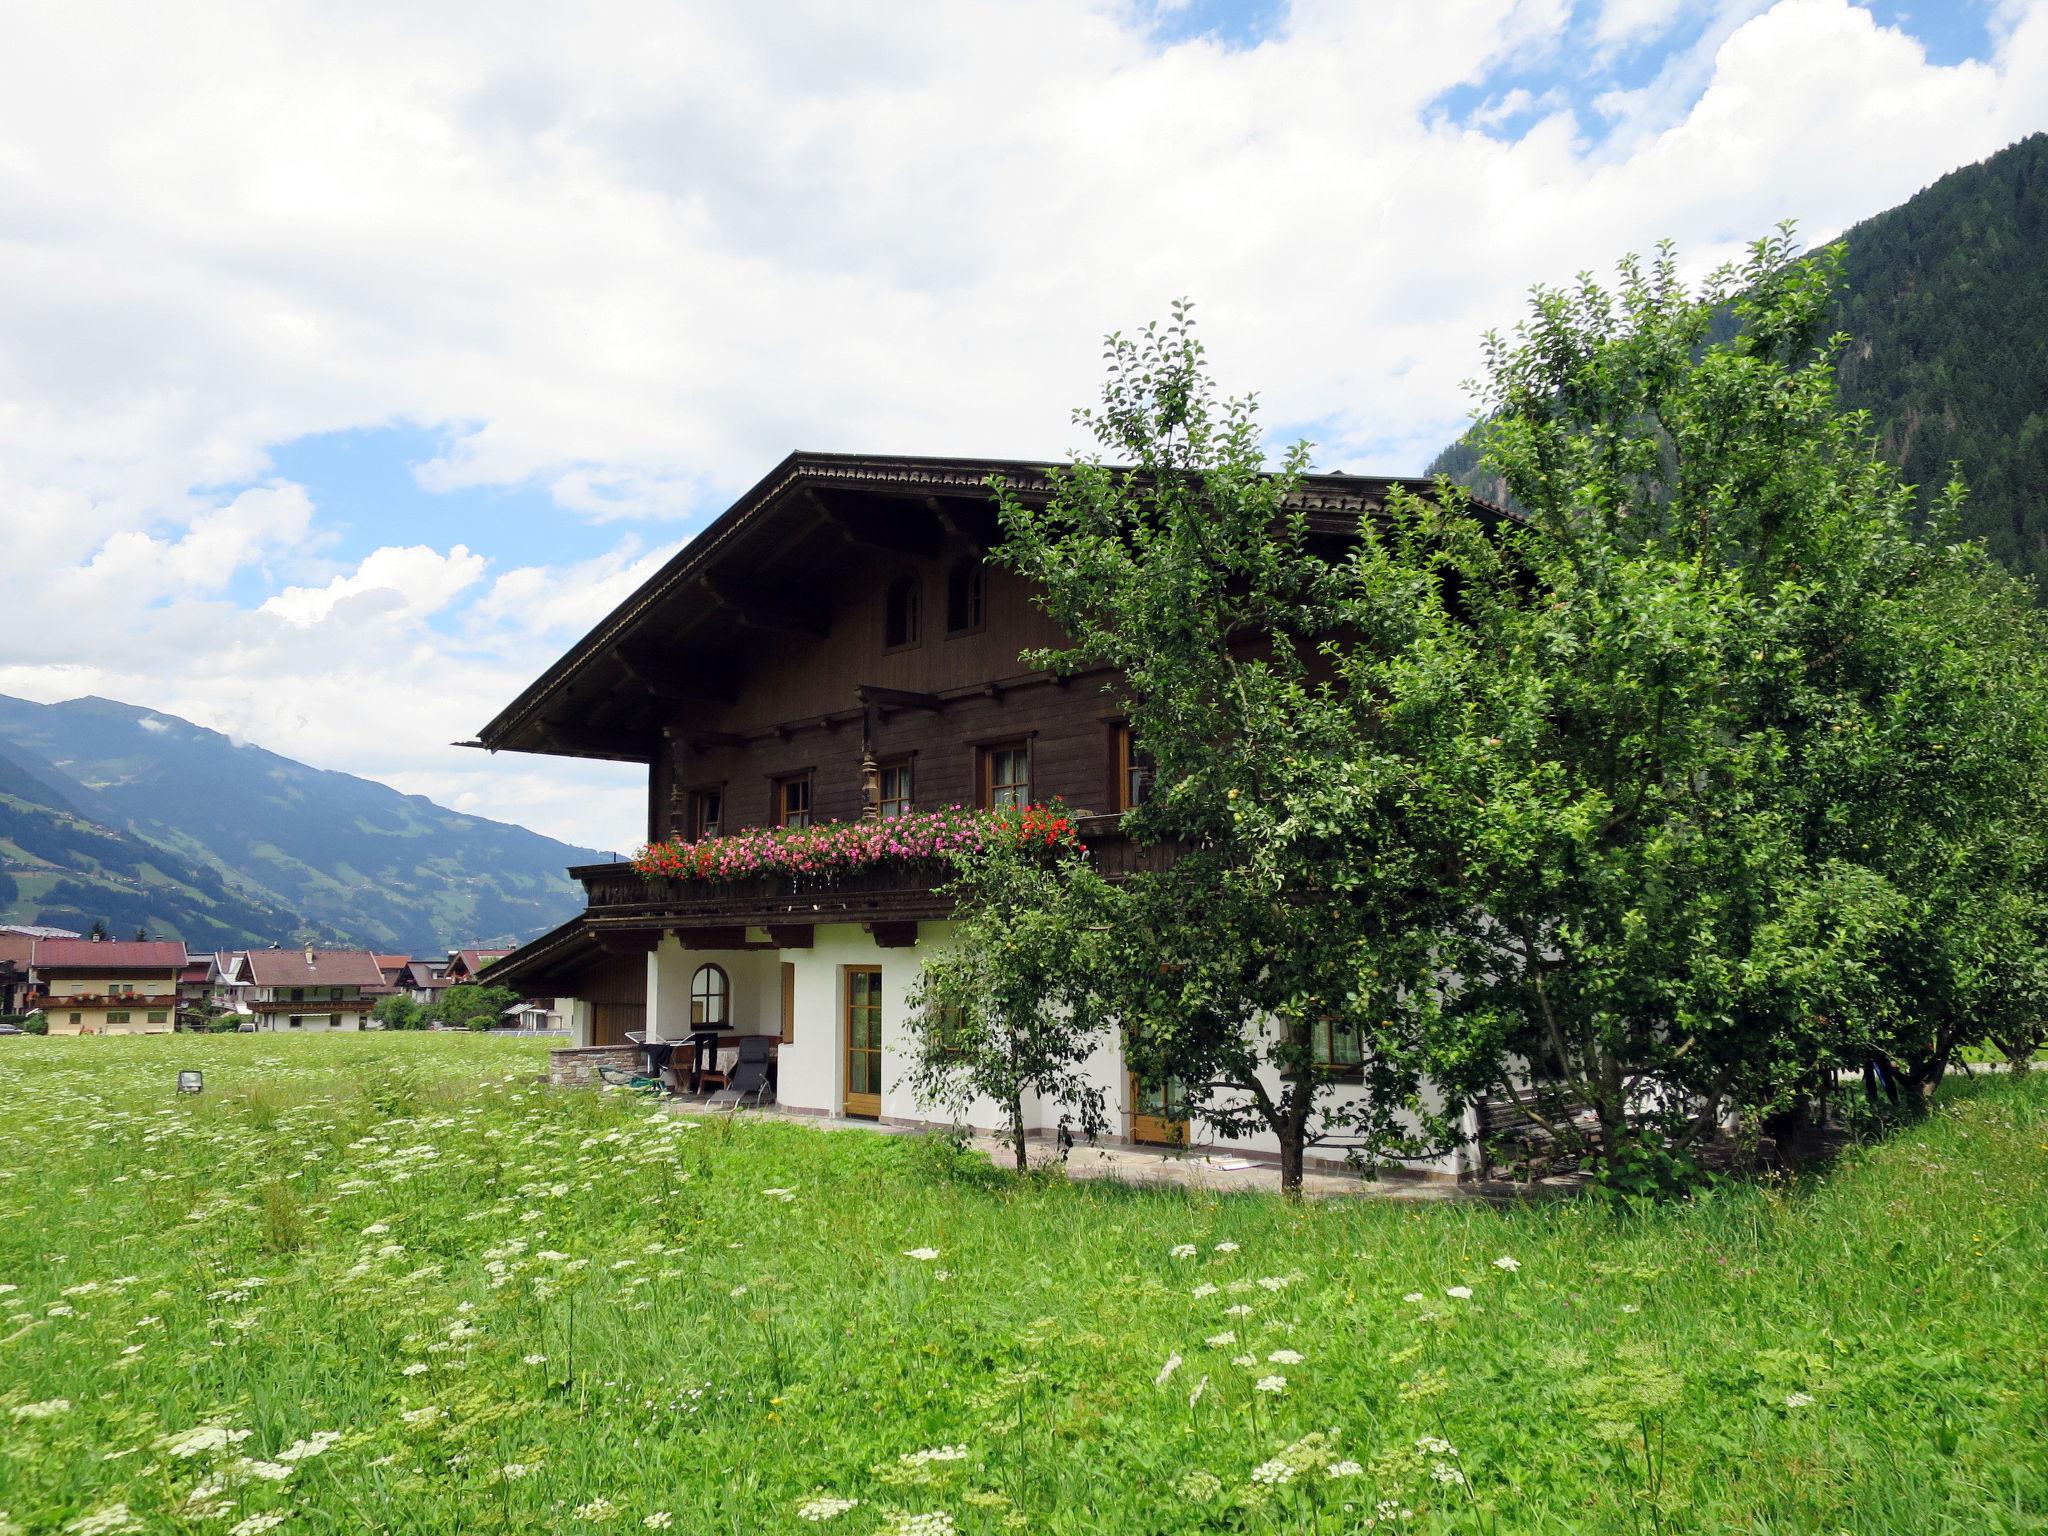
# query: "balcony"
620, 897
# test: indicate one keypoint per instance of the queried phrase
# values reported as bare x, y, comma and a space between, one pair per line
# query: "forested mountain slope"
1945, 301
326, 855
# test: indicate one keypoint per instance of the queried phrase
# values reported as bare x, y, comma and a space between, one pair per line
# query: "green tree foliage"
1276, 966
398, 1011
1770, 762
471, 1005
1016, 1007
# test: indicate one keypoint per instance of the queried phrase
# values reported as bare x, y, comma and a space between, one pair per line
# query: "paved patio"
1203, 1168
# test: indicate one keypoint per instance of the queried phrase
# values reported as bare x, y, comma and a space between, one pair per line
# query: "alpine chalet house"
312, 989
110, 987
832, 648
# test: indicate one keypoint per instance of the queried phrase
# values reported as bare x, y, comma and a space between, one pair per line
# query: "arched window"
903, 620
966, 595
710, 993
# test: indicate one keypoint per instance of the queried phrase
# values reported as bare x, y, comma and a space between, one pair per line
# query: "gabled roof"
329, 968
109, 955
470, 961
777, 539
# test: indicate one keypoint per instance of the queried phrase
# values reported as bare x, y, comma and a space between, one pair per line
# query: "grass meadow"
391, 1283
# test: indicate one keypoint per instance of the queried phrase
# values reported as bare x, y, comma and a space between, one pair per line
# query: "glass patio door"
864, 1041
1158, 1113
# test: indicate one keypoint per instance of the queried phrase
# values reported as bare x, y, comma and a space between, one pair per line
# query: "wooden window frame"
984, 770
1322, 1047
120, 1017
912, 580
723, 991
1123, 756
778, 808
908, 767
156, 1016
693, 812
976, 567
861, 1105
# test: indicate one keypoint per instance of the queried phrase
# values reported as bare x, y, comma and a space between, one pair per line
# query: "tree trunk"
1293, 1146
1017, 1133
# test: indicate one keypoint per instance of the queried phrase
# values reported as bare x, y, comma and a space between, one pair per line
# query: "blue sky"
348, 374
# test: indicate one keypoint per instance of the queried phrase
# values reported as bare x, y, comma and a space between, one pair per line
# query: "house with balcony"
311, 989
834, 648
109, 987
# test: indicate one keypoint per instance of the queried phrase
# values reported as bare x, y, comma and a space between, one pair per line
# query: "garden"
393, 1282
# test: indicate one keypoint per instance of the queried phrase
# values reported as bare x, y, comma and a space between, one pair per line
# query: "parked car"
12, 1029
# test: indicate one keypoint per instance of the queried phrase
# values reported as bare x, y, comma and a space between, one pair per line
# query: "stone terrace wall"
576, 1066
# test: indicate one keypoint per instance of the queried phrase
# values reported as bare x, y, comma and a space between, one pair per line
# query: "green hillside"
312, 853
1945, 301
61, 868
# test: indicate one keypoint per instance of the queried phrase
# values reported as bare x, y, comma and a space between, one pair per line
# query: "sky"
354, 360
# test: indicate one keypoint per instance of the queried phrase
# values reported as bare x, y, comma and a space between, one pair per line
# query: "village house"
108, 986
312, 989
466, 965
833, 647
17, 958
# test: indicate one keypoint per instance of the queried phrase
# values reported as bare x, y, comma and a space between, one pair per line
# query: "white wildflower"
936, 1453
1182, 1251
1167, 1370
418, 1417
49, 1408
597, 1510
256, 1525
1415, 1296
1245, 1362
1240, 1310
319, 1443
1226, 1247
1432, 1445
1285, 1357
269, 1471
819, 1510
937, 1523
104, 1522
1799, 1400
922, 1255
1275, 1473
1271, 1384
535, 1359
376, 1229
1201, 1387
1221, 1340
1458, 1292
201, 1439
1344, 1469
1507, 1262
1205, 1289
512, 1471
417, 1368
1273, 1282
660, 1520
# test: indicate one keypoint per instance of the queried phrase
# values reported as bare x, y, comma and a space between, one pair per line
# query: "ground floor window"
1338, 1045
710, 995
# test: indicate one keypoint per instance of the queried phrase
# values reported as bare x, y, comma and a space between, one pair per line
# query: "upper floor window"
895, 789
966, 595
1131, 770
903, 612
710, 993
705, 814
1006, 775
793, 801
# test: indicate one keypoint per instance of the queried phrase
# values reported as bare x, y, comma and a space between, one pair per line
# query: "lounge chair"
749, 1076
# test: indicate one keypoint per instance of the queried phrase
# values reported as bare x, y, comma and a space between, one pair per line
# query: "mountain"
1945, 302
66, 869
281, 849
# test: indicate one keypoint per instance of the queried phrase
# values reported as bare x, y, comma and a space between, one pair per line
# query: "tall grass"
522, 1310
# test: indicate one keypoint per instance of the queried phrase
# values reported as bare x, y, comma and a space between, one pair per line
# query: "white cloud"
398, 583
635, 254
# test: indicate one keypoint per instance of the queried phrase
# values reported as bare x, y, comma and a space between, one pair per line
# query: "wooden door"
864, 1041
1158, 1118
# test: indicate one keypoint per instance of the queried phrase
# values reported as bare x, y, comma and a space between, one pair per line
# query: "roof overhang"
756, 569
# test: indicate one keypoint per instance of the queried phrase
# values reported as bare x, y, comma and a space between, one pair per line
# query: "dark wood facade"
841, 611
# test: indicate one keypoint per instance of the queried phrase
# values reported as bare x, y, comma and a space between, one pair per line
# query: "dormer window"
966, 596
903, 613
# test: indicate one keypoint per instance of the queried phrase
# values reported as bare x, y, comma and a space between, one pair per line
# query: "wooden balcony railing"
899, 891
